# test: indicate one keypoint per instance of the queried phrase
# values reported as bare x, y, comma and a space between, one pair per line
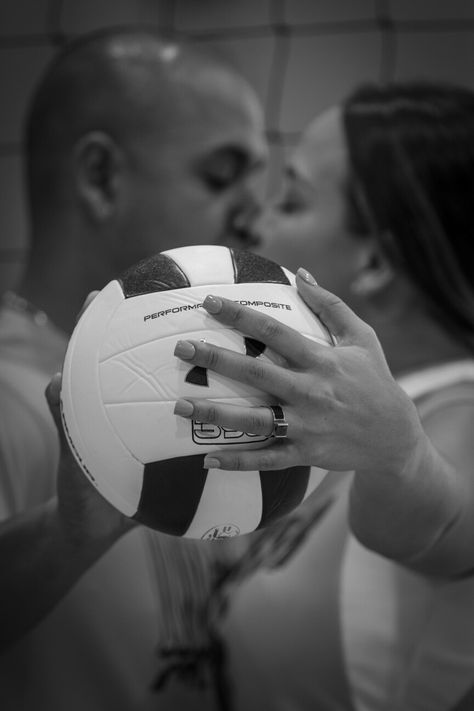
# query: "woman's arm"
345, 411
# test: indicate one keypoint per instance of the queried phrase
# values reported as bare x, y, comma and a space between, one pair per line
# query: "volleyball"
121, 380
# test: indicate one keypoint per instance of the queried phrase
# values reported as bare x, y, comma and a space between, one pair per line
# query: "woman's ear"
97, 165
374, 272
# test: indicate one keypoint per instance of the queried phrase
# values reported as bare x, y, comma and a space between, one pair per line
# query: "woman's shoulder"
444, 397
441, 388
447, 399
447, 415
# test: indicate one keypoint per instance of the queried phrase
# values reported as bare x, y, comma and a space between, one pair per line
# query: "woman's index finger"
280, 337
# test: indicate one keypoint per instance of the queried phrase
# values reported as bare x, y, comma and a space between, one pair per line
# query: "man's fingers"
338, 318
53, 397
88, 300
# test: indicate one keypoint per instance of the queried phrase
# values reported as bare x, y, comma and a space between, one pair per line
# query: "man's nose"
260, 226
243, 221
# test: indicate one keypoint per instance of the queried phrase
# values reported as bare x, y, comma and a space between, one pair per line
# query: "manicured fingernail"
306, 276
211, 463
213, 304
185, 349
183, 408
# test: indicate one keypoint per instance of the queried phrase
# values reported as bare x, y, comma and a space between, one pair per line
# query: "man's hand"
84, 515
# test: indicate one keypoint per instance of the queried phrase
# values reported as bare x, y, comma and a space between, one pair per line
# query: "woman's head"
383, 184
411, 183
307, 225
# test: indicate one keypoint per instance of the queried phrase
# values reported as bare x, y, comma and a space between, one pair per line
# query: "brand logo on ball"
226, 530
203, 433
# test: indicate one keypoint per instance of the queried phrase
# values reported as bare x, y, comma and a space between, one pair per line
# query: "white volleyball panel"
316, 476
204, 263
230, 504
152, 372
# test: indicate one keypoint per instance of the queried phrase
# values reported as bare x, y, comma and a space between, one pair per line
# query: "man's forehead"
208, 122
226, 99
197, 110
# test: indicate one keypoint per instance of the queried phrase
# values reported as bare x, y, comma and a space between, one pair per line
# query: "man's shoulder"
26, 347
23, 378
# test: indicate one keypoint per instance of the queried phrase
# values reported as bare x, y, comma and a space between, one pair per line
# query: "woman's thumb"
338, 318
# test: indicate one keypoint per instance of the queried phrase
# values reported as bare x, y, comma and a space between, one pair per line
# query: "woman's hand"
344, 409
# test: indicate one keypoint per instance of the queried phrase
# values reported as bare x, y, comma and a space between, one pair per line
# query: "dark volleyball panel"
172, 489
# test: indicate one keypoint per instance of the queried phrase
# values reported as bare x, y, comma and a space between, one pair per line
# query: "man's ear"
374, 271
98, 160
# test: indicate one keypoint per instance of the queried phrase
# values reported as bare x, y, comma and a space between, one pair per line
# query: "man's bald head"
134, 145
124, 84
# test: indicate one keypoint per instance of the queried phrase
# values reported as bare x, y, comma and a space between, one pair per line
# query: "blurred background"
300, 55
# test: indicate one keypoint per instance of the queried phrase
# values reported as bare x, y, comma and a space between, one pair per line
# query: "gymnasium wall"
301, 56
